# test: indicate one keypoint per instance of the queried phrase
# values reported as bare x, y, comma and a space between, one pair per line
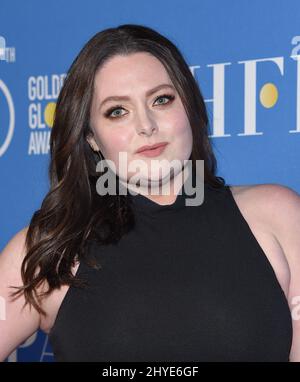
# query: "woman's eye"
115, 111
165, 96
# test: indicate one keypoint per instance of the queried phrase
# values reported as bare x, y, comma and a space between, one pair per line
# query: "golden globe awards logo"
7, 128
42, 94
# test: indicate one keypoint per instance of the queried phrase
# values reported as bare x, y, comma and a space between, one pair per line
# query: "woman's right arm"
16, 324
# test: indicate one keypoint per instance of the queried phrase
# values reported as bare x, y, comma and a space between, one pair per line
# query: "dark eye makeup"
108, 113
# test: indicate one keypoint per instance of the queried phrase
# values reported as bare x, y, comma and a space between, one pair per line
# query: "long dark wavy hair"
72, 213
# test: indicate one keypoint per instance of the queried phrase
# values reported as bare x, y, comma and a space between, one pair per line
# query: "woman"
144, 277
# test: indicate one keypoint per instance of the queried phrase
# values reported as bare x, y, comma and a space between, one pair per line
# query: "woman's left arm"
285, 223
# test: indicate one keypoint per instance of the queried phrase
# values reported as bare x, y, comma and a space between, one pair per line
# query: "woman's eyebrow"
127, 98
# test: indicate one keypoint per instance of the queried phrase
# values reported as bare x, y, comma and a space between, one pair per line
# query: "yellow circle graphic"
49, 113
268, 95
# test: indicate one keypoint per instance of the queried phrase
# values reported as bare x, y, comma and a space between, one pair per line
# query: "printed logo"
42, 94
9, 128
7, 54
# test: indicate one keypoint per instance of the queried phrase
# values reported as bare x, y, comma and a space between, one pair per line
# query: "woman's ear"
91, 141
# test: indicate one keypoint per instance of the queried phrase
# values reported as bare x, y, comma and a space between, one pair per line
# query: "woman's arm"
16, 324
284, 216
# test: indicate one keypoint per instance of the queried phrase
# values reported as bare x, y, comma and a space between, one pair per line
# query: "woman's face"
140, 118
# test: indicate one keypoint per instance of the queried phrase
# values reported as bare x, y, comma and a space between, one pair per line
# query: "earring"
100, 155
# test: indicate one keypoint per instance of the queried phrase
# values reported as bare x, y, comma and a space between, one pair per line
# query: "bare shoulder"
274, 202
278, 208
13, 254
18, 239
17, 322
275, 209
272, 212
21, 322
265, 189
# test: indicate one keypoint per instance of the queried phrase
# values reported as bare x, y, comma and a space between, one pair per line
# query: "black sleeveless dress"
186, 284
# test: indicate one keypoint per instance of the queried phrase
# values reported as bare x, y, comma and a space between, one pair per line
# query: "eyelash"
107, 114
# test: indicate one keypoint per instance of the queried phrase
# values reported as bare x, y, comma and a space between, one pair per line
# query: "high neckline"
145, 205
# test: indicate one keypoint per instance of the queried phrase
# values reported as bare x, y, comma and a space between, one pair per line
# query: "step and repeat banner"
244, 55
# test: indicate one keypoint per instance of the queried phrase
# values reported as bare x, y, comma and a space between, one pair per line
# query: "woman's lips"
153, 152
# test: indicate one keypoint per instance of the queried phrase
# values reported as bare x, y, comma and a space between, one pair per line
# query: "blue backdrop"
242, 53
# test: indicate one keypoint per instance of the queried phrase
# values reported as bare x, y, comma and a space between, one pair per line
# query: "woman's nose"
145, 122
